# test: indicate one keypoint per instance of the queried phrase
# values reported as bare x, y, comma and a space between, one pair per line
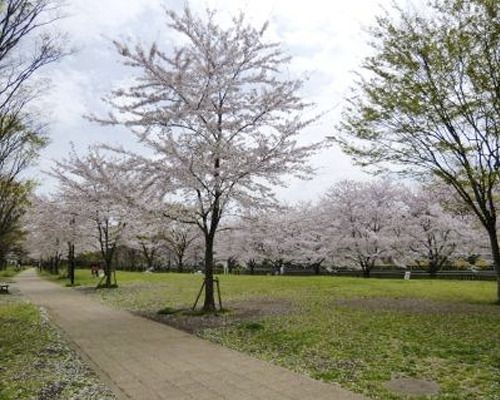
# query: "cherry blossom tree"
144, 232
291, 235
363, 220
91, 185
430, 233
312, 246
270, 238
239, 242
151, 232
260, 238
220, 117
179, 239
54, 229
46, 237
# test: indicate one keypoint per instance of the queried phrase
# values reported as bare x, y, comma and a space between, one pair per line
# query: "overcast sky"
327, 40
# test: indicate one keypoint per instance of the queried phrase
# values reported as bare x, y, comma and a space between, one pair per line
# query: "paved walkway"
145, 360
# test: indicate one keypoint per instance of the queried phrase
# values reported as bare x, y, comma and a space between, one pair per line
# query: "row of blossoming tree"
355, 225
358, 225
219, 119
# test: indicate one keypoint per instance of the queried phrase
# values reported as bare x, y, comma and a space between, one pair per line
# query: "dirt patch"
418, 306
237, 312
412, 386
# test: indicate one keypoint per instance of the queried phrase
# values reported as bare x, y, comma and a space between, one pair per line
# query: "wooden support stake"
99, 283
199, 294
218, 293
203, 286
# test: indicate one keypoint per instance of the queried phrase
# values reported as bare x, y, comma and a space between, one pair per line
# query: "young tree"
220, 117
430, 102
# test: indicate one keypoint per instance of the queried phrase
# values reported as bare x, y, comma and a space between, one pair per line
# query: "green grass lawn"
9, 272
357, 332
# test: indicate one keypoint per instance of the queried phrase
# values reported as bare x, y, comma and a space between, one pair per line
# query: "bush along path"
142, 359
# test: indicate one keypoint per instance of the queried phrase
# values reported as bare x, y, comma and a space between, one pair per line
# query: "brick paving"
144, 360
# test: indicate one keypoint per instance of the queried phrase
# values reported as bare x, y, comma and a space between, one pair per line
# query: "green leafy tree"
20, 140
26, 46
428, 102
13, 203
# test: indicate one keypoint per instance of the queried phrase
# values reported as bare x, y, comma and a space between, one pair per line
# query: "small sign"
407, 275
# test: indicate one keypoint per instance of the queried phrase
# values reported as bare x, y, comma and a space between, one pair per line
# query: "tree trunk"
151, 264
495, 252
108, 263
56, 265
251, 266
367, 268
317, 267
433, 268
108, 251
209, 304
71, 263
180, 263
149, 256
231, 264
107, 272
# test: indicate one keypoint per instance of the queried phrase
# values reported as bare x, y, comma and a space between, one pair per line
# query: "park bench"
4, 287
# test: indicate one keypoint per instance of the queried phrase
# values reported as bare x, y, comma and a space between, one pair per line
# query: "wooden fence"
489, 275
